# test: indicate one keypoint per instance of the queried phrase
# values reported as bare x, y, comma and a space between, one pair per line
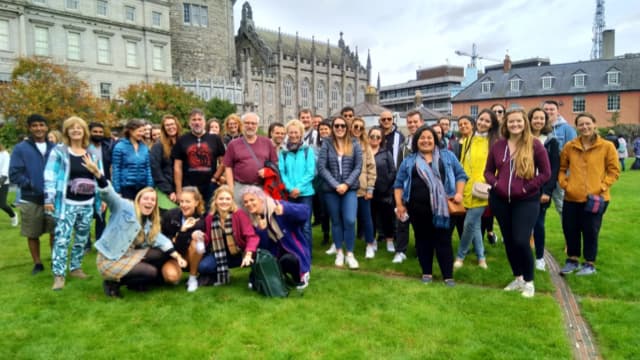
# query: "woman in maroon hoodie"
517, 167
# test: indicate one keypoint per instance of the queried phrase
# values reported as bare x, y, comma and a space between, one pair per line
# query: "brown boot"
58, 283
78, 274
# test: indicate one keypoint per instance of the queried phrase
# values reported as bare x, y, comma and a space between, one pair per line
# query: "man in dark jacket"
393, 137
101, 147
26, 169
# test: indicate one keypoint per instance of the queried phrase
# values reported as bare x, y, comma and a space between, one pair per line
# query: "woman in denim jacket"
425, 180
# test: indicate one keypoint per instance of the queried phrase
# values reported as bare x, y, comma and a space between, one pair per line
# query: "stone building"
285, 73
108, 43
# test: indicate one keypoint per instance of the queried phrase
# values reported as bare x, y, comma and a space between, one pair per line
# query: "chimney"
608, 44
507, 63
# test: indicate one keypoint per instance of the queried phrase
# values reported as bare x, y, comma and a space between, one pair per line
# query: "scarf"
293, 147
221, 235
431, 176
267, 220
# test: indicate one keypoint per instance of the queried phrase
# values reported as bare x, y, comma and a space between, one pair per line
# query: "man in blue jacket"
26, 169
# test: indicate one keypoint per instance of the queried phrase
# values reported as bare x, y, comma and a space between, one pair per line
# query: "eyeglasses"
386, 119
250, 123
499, 111
375, 137
339, 126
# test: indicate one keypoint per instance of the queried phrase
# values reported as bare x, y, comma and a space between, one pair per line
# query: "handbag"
455, 209
480, 190
595, 204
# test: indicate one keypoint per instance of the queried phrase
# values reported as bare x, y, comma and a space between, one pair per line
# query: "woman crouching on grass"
132, 249
280, 226
228, 233
179, 224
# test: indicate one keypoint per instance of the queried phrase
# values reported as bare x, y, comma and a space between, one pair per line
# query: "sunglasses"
357, 127
339, 126
348, 115
499, 111
386, 119
375, 137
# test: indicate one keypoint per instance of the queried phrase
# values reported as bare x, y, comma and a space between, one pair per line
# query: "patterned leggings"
78, 218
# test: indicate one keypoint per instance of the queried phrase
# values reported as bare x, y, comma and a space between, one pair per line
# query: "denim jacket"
56, 179
452, 168
123, 227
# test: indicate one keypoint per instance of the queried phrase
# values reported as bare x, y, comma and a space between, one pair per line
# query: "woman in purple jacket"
517, 167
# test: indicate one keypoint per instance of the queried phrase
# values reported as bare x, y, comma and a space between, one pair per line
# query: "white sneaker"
369, 252
192, 284
340, 259
390, 246
304, 281
352, 262
332, 250
398, 258
517, 284
528, 290
458, 263
14, 220
540, 264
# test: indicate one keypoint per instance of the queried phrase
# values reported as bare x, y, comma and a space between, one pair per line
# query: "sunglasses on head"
339, 126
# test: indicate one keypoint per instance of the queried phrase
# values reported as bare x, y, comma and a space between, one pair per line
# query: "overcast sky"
409, 34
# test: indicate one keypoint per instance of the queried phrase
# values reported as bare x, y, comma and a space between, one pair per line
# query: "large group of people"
204, 201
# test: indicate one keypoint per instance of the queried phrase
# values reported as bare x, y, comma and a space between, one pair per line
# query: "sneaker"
587, 269
398, 258
37, 268
375, 246
390, 246
541, 265
458, 263
352, 262
449, 282
483, 264
78, 274
304, 282
569, 267
332, 250
517, 284
369, 252
192, 284
528, 290
14, 220
58, 283
340, 259
492, 238
427, 279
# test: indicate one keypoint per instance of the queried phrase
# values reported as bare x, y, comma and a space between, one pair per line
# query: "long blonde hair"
346, 142
214, 209
165, 139
154, 217
69, 123
197, 197
525, 166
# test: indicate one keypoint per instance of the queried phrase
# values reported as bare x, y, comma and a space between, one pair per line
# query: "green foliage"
39, 86
219, 109
9, 135
152, 101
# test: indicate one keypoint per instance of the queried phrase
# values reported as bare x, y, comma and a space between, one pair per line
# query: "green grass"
381, 311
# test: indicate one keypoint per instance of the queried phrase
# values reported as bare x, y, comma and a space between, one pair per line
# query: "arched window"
256, 93
335, 95
288, 91
304, 93
270, 94
320, 95
348, 95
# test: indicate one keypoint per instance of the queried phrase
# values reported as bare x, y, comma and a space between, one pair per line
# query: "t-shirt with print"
199, 156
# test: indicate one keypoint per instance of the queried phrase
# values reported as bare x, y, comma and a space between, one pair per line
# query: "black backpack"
267, 276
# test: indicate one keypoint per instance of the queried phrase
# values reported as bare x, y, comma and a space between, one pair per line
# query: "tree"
219, 108
152, 101
39, 86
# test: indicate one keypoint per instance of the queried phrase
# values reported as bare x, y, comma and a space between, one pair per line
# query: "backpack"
273, 185
267, 276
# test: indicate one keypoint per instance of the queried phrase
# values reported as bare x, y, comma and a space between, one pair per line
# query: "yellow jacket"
588, 172
473, 159
368, 174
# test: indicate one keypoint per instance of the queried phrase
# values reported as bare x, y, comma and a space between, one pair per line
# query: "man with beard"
26, 169
245, 158
310, 136
195, 157
100, 147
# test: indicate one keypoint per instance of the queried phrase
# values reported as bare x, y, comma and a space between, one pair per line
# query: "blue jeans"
365, 219
209, 266
306, 228
472, 234
342, 210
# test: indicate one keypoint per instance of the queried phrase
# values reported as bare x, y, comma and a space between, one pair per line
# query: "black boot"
111, 289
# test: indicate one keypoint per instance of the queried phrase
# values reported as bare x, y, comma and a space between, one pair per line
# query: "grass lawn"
381, 311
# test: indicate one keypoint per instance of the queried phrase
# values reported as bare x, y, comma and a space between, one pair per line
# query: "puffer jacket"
130, 168
368, 174
329, 170
588, 172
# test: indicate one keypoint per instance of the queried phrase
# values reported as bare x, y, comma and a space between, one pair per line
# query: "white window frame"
157, 57
579, 80
74, 50
547, 82
473, 111
44, 49
105, 7
487, 86
5, 39
579, 104
131, 53
156, 18
515, 85
613, 78
613, 102
104, 51
106, 95
195, 15
129, 10
72, 4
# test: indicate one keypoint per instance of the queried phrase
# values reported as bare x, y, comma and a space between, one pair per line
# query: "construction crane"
475, 56
598, 28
